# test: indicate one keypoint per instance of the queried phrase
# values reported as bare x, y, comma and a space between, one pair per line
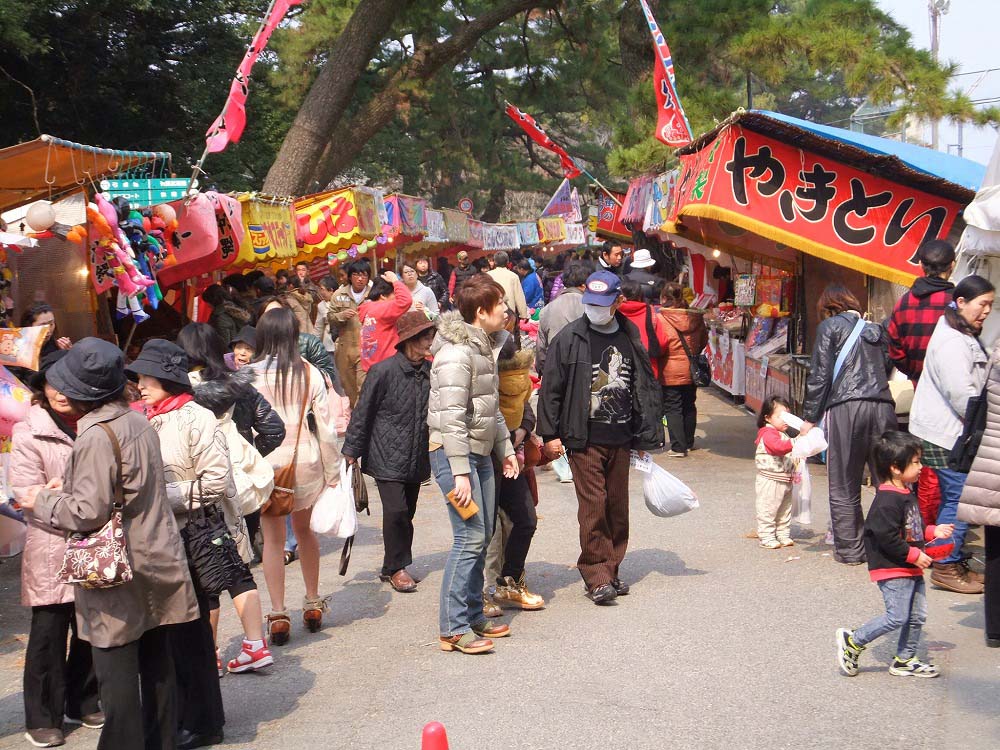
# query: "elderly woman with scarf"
199, 476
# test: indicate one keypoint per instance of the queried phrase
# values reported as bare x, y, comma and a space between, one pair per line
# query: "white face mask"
598, 315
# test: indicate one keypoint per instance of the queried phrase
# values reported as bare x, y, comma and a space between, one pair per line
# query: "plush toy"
111, 243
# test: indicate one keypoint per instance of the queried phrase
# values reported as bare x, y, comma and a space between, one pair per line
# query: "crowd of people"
206, 454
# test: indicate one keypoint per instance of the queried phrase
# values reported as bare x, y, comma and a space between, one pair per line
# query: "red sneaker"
249, 660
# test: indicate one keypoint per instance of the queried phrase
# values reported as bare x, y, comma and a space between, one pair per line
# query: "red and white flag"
527, 122
671, 124
228, 126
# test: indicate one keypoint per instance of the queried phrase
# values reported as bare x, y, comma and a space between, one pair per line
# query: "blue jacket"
533, 293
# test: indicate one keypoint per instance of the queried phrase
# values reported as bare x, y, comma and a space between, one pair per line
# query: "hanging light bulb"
716, 253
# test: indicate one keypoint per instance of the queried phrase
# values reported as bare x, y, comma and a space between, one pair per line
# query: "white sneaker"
770, 544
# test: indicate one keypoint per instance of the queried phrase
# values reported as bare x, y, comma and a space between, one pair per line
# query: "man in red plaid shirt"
917, 312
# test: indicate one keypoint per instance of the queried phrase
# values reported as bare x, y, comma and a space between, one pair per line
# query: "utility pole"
937, 8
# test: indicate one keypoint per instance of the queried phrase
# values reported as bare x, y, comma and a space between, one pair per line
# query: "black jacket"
435, 283
253, 416
388, 429
564, 400
893, 530
651, 284
864, 376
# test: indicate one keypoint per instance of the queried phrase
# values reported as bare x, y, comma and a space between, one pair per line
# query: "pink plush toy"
121, 242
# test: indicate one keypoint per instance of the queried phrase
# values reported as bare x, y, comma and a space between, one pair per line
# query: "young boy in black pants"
895, 546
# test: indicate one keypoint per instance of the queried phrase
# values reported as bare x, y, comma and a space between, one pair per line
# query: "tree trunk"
348, 137
330, 95
494, 204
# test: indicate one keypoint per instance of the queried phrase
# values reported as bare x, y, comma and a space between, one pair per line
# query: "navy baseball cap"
603, 288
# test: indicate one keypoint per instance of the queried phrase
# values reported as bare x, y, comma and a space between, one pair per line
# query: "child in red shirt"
774, 475
388, 300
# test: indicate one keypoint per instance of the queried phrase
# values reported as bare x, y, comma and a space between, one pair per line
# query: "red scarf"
168, 405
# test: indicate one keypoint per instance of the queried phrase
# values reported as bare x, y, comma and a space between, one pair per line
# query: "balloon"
352, 252
342, 255
166, 212
41, 216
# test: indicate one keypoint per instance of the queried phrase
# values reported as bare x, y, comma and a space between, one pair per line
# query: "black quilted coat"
253, 416
388, 429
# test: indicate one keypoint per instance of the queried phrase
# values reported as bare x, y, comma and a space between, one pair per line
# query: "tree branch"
31, 93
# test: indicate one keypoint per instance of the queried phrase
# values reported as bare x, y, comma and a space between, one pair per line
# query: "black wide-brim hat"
93, 370
163, 360
247, 335
36, 381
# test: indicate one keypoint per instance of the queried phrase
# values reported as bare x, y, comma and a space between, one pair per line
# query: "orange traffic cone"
434, 737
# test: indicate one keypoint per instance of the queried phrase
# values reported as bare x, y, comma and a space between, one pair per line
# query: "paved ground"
720, 645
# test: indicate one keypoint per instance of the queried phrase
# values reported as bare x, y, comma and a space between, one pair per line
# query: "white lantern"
41, 216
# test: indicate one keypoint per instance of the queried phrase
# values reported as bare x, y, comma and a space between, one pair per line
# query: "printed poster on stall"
328, 222
812, 203
270, 230
500, 237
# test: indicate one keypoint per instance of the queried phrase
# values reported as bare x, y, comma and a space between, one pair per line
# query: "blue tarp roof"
968, 174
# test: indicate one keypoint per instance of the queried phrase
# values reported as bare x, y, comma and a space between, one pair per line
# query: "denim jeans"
951, 483
905, 608
462, 584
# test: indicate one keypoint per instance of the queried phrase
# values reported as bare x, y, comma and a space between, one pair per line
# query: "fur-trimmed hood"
236, 312
453, 329
520, 361
218, 396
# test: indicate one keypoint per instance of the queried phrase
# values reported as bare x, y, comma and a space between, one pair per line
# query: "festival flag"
228, 126
671, 124
527, 122
565, 202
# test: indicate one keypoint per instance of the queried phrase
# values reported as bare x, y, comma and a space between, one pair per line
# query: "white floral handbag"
100, 560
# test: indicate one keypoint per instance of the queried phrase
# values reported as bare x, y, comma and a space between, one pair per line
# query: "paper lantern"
363, 248
41, 216
166, 212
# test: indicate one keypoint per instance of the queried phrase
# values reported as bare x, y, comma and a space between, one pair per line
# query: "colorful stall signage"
456, 225
500, 237
564, 203
475, 233
551, 229
527, 232
270, 230
368, 204
328, 222
575, 234
812, 203
609, 223
391, 226
412, 215
636, 201
435, 226
660, 201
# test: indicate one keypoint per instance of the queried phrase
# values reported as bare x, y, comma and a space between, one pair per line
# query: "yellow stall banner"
329, 222
270, 230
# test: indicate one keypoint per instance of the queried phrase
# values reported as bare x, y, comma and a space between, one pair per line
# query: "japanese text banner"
328, 222
812, 203
270, 231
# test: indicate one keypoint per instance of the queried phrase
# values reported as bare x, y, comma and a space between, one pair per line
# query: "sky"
969, 39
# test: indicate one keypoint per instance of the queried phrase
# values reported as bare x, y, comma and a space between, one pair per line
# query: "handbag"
360, 491
213, 555
100, 560
282, 499
701, 373
973, 427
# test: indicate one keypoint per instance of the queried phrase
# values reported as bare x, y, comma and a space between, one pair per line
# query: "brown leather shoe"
401, 581
973, 575
279, 628
487, 629
45, 737
467, 643
952, 577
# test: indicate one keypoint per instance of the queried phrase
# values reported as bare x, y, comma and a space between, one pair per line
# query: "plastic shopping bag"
561, 467
334, 513
811, 444
665, 494
801, 494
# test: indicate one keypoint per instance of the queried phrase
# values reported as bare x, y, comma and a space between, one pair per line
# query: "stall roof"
938, 173
49, 166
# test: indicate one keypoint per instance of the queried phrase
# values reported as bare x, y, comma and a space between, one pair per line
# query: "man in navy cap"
598, 401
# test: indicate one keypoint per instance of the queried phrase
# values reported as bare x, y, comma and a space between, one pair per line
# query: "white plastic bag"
801, 494
334, 513
561, 467
811, 444
665, 494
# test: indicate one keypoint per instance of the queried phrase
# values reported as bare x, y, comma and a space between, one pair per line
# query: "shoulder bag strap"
119, 481
847, 348
687, 349
653, 344
302, 417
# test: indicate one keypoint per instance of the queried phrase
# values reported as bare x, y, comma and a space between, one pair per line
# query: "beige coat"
193, 447
513, 292
464, 406
348, 329
160, 592
319, 459
39, 453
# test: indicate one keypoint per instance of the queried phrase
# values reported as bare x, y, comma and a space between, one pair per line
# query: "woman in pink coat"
55, 685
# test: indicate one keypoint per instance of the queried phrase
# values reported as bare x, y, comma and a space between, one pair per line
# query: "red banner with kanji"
671, 123
539, 136
811, 203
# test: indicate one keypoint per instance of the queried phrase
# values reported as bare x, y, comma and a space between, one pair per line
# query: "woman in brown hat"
388, 433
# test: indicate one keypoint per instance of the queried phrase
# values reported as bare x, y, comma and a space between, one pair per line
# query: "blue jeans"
462, 584
905, 608
951, 483
291, 543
